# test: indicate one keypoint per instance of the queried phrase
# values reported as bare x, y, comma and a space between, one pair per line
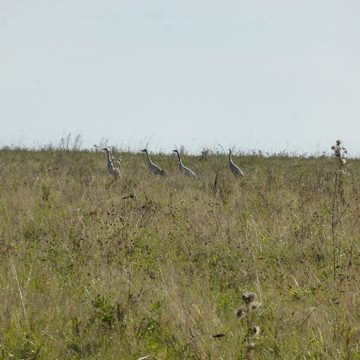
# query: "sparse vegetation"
155, 267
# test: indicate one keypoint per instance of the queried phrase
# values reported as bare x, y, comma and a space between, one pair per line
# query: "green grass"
89, 272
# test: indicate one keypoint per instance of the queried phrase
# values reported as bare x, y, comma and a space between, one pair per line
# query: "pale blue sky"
270, 75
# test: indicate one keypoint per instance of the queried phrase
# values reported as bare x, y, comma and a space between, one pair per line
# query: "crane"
112, 169
152, 167
234, 168
182, 168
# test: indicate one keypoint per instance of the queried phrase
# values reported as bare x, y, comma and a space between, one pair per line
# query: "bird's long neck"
229, 156
108, 156
178, 155
148, 157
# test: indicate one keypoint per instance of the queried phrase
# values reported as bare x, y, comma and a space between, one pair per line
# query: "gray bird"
152, 167
112, 169
234, 168
182, 168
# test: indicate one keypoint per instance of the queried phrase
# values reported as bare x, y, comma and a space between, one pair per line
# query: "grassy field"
158, 267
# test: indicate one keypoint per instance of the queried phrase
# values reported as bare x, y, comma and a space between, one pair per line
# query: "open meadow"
156, 267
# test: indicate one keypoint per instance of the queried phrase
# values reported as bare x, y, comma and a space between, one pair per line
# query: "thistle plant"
339, 152
247, 314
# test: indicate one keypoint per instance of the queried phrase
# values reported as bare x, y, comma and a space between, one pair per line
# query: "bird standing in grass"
152, 167
113, 170
234, 168
182, 168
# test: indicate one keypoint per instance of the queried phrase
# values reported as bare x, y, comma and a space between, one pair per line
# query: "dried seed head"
251, 346
338, 142
256, 330
249, 297
240, 313
254, 306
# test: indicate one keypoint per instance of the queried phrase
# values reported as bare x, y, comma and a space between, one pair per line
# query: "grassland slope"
156, 267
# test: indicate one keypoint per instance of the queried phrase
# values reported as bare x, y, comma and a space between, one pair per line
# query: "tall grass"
156, 267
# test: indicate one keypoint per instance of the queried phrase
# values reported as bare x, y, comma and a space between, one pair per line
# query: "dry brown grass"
156, 267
